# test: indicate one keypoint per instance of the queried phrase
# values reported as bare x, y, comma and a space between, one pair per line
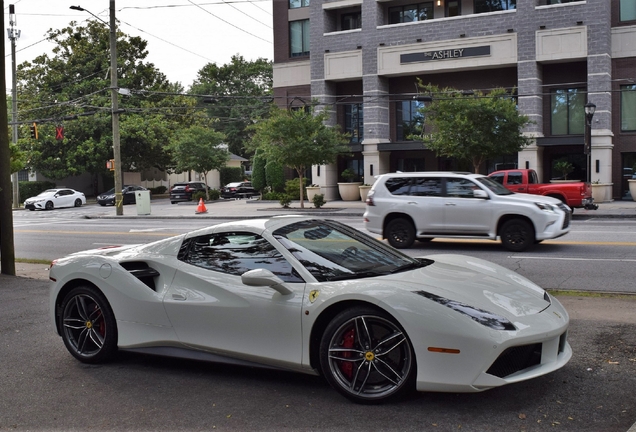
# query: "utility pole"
7, 248
119, 203
14, 35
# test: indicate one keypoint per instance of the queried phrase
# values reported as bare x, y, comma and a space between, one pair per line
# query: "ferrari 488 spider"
314, 296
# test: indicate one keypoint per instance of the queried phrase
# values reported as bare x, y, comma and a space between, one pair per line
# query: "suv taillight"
369, 200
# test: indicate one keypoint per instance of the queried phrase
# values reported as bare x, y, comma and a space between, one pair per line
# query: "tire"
78, 202
49, 205
88, 325
400, 233
173, 202
367, 357
517, 235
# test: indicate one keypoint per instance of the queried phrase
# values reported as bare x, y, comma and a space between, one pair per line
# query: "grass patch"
591, 294
32, 261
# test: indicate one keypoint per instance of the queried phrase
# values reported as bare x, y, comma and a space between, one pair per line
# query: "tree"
299, 139
71, 88
199, 149
18, 158
258, 171
475, 127
238, 92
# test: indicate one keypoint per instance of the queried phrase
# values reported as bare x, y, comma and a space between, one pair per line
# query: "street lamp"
119, 208
590, 108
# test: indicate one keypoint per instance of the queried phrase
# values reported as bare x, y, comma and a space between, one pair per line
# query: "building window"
555, 2
568, 111
453, 8
354, 122
23, 175
299, 38
293, 4
628, 108
627, 10
411, 13
482, 6
410, 120
350, 21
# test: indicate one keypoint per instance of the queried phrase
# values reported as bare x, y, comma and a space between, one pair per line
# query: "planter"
364, 191
632, 188
349, 191
312, 191
602, 192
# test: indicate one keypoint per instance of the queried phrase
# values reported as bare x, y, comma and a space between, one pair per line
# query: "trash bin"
142, 199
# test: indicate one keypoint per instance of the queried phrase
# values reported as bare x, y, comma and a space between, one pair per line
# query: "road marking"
147, 229
572, 259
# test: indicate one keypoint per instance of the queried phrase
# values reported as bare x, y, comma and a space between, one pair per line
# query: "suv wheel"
517, 235
400, 233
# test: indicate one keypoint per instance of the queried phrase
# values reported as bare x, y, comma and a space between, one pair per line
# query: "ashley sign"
445, 54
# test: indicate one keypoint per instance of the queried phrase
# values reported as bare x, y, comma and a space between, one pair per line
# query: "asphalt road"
43, 388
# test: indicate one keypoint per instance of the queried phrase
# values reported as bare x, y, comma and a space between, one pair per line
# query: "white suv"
403, 207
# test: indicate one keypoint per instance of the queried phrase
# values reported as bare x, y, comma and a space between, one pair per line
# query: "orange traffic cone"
201, 208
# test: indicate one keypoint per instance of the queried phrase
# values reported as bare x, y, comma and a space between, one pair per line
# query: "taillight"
369, 200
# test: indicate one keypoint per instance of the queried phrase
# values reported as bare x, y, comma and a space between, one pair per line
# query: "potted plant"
564, 168
349, 191
601, 192
312, 191
364, 191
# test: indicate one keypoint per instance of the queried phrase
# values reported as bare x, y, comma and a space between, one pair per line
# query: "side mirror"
480, 193
263, 277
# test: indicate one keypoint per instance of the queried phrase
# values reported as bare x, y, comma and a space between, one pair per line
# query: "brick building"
361, 59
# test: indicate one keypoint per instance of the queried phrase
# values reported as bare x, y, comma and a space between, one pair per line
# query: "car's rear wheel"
88, 325
78, 202
517, 235
400, 233
173, 202
49, 205
366, 356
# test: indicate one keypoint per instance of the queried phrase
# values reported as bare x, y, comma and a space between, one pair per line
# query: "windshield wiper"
356, 275
421, 262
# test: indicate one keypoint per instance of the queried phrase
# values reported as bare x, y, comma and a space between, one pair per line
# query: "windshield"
48, 191
109, 192
493, 186
332, 251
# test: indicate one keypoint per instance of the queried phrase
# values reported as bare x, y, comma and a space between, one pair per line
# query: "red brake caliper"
349, 340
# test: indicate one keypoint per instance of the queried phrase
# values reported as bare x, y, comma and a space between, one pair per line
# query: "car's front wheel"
517, 235
49, 205
366, 356
400, 233
88, 325
78, 202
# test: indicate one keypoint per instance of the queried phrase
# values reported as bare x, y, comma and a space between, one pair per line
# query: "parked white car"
403, 207
55, 198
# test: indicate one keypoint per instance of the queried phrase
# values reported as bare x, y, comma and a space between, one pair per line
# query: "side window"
515, 178
499, 178
427, 186
398, 185
235, 253
460, 188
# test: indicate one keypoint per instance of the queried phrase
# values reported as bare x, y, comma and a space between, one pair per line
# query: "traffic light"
34, 130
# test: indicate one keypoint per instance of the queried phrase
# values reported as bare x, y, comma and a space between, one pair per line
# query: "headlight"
36, 201
545, 207
481, 316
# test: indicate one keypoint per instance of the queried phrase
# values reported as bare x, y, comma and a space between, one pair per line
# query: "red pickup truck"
574, 194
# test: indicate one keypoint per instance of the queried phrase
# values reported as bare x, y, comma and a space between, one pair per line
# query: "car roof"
431, 174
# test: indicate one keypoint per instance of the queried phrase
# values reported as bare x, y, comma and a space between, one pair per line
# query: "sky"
183, 35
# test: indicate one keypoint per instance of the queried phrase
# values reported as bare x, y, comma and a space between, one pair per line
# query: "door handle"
180, 297
450, 204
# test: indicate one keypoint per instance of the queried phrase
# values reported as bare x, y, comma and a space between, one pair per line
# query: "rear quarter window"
398, 185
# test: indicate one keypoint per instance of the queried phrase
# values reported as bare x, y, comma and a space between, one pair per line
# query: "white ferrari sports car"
314, 296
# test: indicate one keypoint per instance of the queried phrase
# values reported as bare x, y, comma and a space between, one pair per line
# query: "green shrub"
285, 201
30, 189
198, 195
275, 176
159, 190
292, 188
258, 171
215, 194
273, 196
319, 200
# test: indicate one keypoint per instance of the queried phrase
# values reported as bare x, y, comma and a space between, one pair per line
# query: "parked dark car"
128, 194
238, 190
183, 191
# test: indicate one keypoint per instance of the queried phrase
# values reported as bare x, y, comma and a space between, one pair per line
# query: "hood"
477, 283
533, 198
